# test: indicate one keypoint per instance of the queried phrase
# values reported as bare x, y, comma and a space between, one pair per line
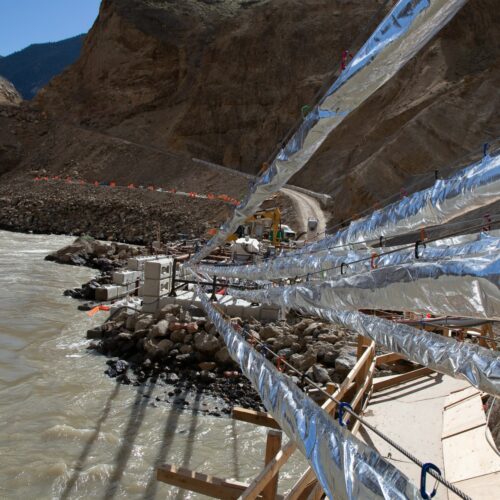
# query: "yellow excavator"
264, 224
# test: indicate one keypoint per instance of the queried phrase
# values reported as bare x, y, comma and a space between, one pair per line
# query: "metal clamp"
417, 244
341, 413
425, 468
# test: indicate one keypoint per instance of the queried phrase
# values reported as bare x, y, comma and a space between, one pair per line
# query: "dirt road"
306, 207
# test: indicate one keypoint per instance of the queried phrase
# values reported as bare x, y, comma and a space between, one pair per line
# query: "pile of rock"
174, 348
179, 346
87, 251
322, 352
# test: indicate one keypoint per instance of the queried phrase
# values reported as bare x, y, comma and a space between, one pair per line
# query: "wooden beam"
301, 487
205, 484
399, 379
200, 483
282, 456
269, 471
316, 493
255, 417
385, 359
273, 446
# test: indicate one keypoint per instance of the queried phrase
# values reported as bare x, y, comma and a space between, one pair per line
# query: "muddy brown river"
69, 431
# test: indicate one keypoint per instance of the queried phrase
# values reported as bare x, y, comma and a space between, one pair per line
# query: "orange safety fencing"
112, 184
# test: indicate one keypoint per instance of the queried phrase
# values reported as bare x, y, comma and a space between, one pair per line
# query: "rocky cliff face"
8, 93
224, 80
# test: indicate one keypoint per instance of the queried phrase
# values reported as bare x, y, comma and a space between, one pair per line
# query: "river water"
69, 431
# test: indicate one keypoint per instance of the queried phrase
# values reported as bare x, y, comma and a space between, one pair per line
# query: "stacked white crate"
157, 282
138, 263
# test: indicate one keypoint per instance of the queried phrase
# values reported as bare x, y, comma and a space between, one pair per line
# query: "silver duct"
345, 467
327, 264
406, 29
456, 287
474, 187
477, 365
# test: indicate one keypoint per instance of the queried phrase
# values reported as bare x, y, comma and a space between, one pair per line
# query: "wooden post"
273, 445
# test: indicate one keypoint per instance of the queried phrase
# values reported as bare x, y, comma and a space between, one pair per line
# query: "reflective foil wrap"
345, 467
456, 287
480, 366
406, 29
323, 264
471, 188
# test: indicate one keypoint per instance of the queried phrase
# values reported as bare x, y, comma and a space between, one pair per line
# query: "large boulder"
159, 330
270, 331
222, 356
303, 361
144, 321
300, 327
345, 360
320, 374
206, 343
178, 335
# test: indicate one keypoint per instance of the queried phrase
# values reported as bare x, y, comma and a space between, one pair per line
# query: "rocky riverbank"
181, 350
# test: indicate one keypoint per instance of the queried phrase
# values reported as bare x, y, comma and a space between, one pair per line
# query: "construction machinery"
263, 225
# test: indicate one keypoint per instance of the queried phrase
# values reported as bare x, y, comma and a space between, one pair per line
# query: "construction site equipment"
312, 223
245, 250
263, 225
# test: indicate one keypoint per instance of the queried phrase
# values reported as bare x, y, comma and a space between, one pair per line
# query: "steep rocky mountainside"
32, 68
224, 80
8, 93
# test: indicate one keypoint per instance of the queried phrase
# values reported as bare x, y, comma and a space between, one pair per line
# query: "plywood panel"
463, 416
468, 455
460, 395
479, 488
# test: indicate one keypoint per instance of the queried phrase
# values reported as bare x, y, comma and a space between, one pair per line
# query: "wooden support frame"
356, 389
273, 446
200, 483
400, 379
255, 417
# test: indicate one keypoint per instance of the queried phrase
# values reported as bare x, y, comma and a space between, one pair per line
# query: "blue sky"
23, 22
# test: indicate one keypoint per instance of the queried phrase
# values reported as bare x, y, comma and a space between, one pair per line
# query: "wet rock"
121, 366
95, 333
171, 378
